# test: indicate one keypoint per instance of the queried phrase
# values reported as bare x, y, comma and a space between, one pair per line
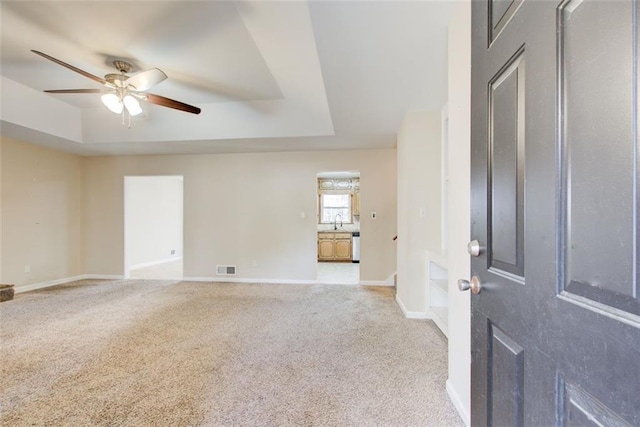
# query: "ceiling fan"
121, 92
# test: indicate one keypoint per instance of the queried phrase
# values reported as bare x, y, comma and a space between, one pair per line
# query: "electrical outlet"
173, 251
27, 268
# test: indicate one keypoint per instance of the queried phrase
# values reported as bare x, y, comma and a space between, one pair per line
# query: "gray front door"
556, 325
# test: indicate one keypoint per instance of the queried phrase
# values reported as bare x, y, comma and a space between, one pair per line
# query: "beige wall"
419, 206
63, 215
42, 215
246, 210
1, 280
458, 384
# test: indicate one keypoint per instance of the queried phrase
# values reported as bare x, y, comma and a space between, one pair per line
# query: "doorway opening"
153, 227
338, 227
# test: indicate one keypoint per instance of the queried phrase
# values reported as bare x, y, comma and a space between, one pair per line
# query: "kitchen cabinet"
334, 247
343, 249
326, 249
355, 205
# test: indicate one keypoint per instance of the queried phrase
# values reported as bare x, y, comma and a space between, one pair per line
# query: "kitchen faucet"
335, 222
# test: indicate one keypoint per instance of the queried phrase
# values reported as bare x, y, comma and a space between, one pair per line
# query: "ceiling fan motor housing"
118, 80
122, 66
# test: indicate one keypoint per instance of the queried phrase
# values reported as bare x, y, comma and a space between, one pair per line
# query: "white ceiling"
268, 75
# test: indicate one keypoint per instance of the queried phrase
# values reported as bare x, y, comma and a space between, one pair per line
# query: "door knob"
474, 285
474, 248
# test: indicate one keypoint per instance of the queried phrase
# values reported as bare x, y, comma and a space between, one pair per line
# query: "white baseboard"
47, 284
455, 399
374, 283
50, 283
104, 276
227, 279
391, 279
278, 281
152, 263
387, 282
411, 314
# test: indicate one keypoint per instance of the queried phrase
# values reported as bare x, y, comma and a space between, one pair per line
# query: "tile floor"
167, 270
338, 273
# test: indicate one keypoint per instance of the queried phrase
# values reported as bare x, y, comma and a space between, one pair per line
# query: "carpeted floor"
140, 353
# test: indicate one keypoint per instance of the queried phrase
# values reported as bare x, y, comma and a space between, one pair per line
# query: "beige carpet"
139, 353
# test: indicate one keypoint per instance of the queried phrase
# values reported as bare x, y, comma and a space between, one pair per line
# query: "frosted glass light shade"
112, 102
132, 104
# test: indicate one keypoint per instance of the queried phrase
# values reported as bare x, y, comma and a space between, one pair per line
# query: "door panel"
556, 326
343, 250
506, 167
582, 409
599, 262
500, 12
506, 363
326, 249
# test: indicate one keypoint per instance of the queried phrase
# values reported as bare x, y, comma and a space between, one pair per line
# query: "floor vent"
226, 270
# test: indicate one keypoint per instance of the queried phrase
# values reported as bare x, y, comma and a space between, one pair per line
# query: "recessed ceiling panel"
204, 47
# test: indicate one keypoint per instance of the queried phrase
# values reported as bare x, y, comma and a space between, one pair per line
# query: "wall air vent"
226, 270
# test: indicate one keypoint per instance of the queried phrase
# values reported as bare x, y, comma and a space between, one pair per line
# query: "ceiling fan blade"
145, 80
166, 102
72, 68
75, 91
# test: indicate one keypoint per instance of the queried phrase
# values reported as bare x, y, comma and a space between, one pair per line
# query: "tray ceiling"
269, 76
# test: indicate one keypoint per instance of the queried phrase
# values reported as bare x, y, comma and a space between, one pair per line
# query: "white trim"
282, 281
318, 282
444, 179
50, 283
220, 279
47, 284
455, 399
375, 283
227, 279
411, 314
104, 276
440, 322
391, 280
152, 263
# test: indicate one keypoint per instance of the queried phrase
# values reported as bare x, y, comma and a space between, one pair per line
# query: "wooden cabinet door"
343, 250
356, 204
326, 249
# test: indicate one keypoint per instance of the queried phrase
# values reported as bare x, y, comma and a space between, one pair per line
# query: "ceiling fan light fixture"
132, 104
122, 88
112, 102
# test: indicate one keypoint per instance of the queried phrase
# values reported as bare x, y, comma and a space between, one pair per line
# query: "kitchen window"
332, 205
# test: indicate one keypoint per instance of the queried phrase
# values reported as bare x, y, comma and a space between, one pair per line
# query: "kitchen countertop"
345, 229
